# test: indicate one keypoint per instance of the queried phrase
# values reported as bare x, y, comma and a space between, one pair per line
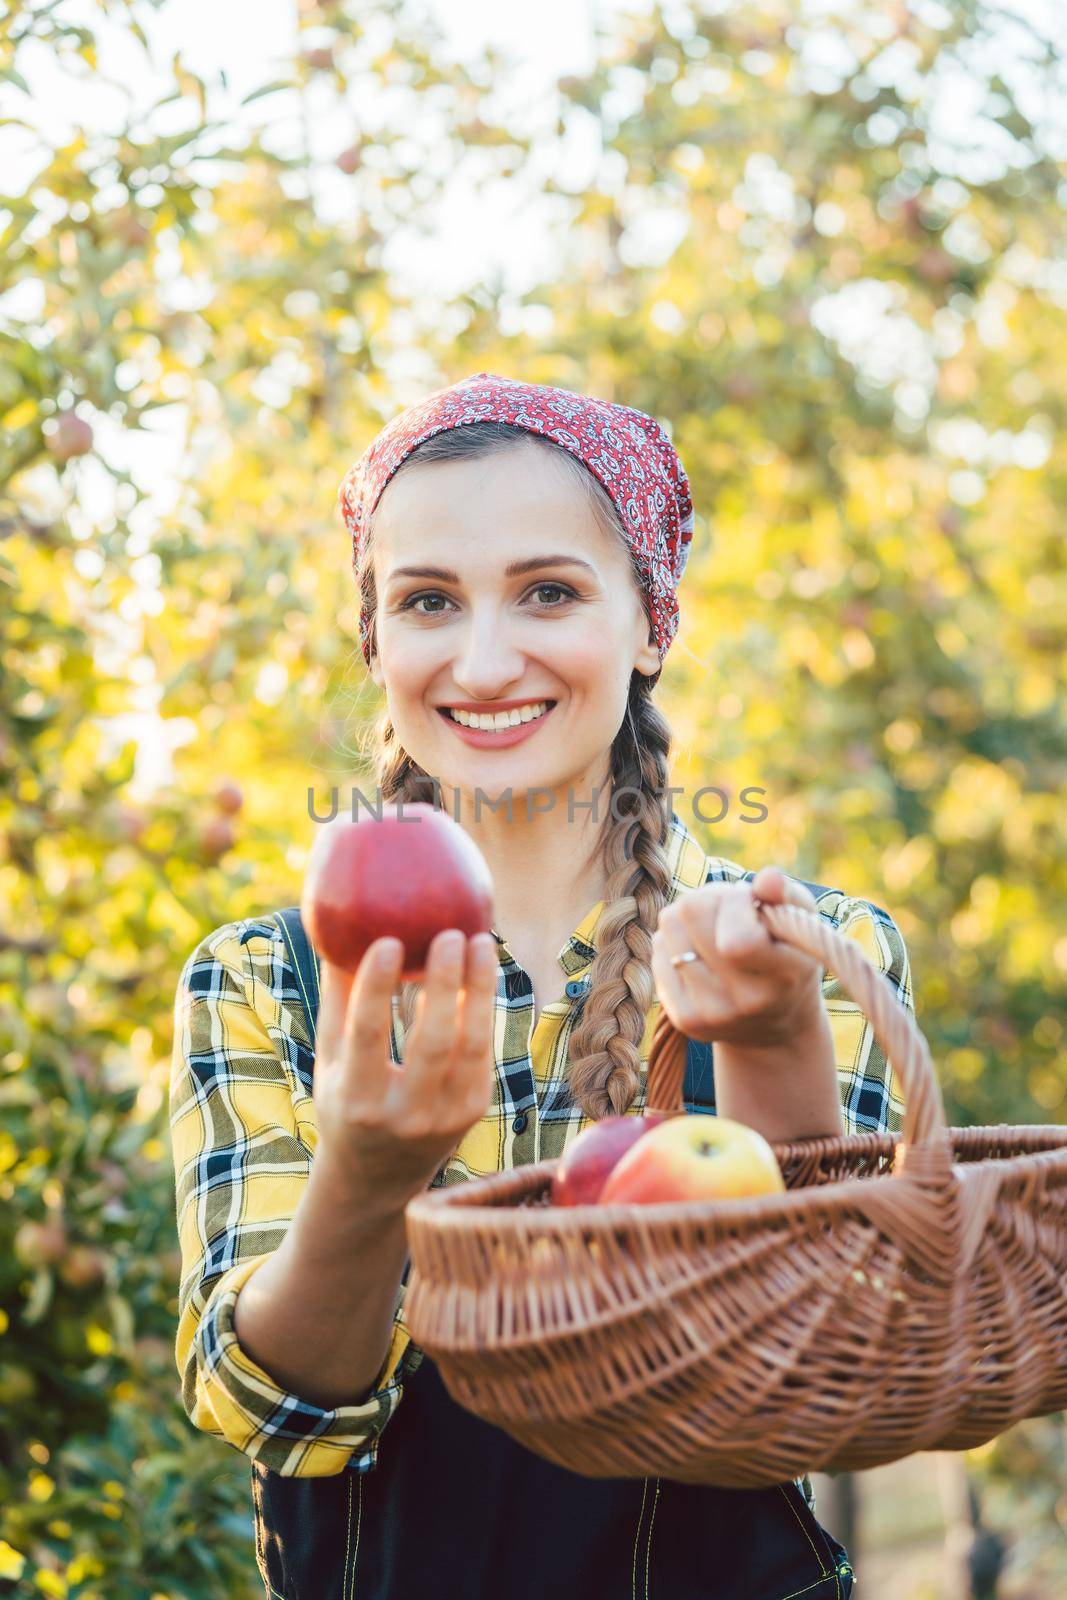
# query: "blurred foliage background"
826, 247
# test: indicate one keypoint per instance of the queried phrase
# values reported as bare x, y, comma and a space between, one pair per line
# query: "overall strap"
305, 963
699, 1090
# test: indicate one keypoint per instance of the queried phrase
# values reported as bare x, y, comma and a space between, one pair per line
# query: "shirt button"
575, 988
519, 1124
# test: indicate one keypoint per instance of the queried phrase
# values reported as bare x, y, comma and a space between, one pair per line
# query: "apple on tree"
130, 824
83, 1267
408, 874
229, 797
216, 836
72, 436
42, 1244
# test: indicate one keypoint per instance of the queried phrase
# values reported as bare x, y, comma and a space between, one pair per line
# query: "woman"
515, 546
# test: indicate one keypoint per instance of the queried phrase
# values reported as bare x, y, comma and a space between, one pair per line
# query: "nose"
488, 661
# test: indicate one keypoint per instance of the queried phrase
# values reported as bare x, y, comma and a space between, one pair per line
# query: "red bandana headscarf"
627, 450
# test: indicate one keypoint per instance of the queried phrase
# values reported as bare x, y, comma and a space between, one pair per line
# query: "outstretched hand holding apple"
385, 1129
406, 896
747, 988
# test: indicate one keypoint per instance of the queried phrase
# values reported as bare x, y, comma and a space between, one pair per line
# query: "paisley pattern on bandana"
626, 449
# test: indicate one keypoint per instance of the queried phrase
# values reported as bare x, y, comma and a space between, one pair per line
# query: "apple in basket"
583, 1168
694, 1157
409, 874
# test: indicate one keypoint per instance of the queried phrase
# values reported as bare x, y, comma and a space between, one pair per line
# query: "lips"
496, 738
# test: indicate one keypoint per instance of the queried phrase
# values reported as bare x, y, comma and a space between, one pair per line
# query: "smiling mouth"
501, 720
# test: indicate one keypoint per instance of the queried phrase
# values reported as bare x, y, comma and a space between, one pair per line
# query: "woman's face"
464, 630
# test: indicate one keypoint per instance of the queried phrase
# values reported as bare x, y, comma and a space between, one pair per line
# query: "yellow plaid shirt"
244, 1135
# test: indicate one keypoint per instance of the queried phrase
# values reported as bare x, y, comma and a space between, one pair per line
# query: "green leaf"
12, 75
267, 88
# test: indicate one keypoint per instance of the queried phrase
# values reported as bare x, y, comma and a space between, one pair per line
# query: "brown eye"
552, 594
413, 600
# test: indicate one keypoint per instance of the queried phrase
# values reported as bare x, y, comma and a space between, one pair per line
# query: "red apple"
216, 837
130, 228
150, 1350
583, 1168
42, 1244
695, 1157
229, 798
130, 824
83, 1267
409, 874
936, 265
911, 213
73, 436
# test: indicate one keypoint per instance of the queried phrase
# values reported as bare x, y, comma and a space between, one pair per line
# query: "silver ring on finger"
684, 957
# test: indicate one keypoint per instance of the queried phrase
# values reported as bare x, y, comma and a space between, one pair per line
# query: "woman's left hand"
747, 989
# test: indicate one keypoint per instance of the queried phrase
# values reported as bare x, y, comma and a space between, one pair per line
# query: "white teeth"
502, 719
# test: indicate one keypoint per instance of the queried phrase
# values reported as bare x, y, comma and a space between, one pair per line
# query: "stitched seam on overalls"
648, 1547
257, 1523
824, 1572
808, 1587
348, 1537
350, 1587
261, 1554
637, 1535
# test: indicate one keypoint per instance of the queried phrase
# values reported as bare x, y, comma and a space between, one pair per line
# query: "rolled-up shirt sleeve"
240, 1168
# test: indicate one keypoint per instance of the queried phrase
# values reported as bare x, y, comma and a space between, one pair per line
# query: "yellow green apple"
694, 1157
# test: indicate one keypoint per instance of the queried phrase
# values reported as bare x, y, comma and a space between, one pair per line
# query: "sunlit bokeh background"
824, 244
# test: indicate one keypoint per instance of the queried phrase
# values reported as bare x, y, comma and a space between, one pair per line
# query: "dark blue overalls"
457, 1510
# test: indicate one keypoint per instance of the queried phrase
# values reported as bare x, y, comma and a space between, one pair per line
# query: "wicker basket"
907, 1292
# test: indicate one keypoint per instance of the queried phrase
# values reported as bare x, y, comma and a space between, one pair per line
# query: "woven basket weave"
907, 1292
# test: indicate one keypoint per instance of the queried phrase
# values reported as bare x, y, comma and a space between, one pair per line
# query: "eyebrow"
514, 569
539, 562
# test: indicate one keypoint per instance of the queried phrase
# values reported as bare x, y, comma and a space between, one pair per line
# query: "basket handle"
894, 1028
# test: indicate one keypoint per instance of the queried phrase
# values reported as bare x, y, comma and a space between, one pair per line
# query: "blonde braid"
605, 1054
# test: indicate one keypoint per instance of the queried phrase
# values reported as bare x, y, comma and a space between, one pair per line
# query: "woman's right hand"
384, 1130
